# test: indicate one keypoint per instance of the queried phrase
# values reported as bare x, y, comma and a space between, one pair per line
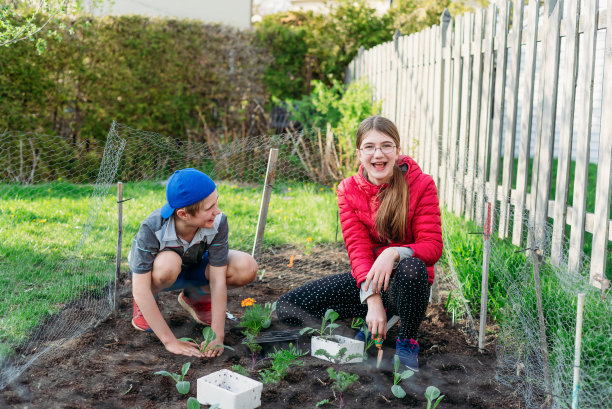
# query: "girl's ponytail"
392, 213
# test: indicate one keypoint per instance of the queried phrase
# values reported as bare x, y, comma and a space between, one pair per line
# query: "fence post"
119, 237
535, 259
265, 201
577, 348
484, 291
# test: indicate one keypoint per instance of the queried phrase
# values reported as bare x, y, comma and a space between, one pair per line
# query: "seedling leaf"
185, 368
183, 387
432, 393
192, 403
407, 374
321, 403
398, 391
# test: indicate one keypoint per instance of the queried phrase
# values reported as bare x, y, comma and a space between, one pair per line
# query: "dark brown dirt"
112, 365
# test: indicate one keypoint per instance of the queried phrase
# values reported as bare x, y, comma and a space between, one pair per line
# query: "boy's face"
205, 217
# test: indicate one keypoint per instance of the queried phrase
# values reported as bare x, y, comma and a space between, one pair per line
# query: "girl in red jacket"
390, 219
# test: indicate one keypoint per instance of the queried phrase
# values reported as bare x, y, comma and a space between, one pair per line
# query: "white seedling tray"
334, 345
230, 390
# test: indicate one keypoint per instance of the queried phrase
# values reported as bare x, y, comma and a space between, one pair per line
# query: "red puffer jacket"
358, 204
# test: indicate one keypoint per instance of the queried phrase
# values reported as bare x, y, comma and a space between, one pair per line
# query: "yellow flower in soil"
247, 302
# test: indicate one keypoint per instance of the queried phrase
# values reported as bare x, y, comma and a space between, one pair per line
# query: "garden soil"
113, 365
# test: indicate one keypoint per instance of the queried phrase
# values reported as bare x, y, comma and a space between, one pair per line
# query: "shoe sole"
412, 369
190, 310
140, 329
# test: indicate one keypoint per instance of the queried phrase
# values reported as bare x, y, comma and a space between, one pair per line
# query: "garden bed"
113, 365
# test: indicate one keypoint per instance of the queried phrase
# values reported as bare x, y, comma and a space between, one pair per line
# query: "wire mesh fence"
59, 229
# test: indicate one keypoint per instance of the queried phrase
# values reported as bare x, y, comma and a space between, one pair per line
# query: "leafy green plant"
398, 377
192, 403
282, 360
340, 356
254, 347
342, 380
328, 325
256, 317
359, 324
182, 385
209, 336
240, 369
432, 393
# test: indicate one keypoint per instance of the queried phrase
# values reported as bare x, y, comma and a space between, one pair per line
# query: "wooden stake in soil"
119, 236
484, 291
577, 350
543, 343
265, 201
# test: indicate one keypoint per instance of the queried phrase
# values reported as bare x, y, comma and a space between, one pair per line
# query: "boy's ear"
181, 213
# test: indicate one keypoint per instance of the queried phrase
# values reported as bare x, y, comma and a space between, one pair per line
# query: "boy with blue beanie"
184, 245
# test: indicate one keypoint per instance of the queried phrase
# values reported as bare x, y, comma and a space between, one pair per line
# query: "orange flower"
309, 239
247, 302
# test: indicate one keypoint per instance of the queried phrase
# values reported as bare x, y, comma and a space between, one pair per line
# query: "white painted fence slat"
474, 113
566, 127
585, 115
445, 126
455, 114
546, 119
484, 132
439, 96
603, 190
498, 110
513, 86
530, 38
464, 116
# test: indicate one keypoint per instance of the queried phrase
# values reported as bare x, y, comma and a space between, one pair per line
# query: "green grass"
46, 260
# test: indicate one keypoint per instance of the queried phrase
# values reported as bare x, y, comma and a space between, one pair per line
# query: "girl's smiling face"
378, 154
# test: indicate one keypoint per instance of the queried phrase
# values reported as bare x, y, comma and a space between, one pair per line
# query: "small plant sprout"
192, 403
360, 325
339, 357
282, 360
240, 369
256, 317
327, 325
209, 336
342, 380
432, 393
254, 347
398, 377
182, 385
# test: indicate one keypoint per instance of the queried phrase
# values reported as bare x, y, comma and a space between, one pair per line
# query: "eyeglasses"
384, 148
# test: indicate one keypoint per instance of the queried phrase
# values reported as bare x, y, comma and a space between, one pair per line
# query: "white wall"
235, 13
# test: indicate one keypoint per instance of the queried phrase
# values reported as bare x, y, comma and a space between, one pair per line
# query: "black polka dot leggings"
406, 296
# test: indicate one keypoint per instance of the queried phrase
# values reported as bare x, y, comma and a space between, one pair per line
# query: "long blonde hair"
391, 218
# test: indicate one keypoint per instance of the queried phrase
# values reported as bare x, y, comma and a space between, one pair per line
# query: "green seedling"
360, 324
398, 377
182, 385
192, 403
240, 369
432, 393
327, 325
342, 380
339, 357
256, 317
209, 336
254, 347
282, 360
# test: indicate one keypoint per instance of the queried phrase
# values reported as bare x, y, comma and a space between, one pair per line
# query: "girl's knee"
412, 268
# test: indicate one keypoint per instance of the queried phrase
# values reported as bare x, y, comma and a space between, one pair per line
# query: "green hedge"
180, 78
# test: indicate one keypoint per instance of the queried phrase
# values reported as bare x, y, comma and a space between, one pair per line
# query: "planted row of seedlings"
235, 389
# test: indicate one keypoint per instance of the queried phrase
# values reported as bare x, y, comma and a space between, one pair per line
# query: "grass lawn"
57, 244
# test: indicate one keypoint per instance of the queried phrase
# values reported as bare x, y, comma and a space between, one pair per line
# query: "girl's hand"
376, 317
380, 273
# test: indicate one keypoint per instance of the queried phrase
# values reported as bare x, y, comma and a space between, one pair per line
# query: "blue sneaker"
407, 350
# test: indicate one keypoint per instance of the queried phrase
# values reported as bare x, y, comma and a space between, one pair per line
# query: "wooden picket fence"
453, 91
